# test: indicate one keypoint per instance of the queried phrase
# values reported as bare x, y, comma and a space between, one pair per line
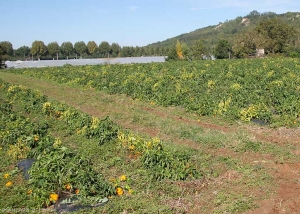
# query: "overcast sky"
126, 22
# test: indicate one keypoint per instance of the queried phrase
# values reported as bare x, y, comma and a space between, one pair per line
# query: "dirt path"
121, 108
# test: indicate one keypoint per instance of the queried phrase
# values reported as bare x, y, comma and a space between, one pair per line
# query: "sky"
126, 22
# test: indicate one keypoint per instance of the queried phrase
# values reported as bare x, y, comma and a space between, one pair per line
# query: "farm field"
184, 135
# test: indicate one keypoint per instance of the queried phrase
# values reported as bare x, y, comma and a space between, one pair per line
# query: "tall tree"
2, 52
127, 51
38, 48
53, 49
199, 50
23, 51
179, 50
246, 44
278, 35
67, 49
253, 13
7, 48
185, 51
223, 50
80, 48
137, 51
116, 49
172, 54
142, 51
92, 47
104, 49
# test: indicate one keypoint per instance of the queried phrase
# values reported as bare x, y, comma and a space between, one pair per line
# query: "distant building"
260, 53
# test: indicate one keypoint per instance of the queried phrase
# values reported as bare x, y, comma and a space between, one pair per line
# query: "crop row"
58, 171
264, 89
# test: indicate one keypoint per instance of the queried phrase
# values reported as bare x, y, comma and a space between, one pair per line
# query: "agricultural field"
183, 137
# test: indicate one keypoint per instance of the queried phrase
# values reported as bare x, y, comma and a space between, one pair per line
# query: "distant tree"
92, 47
222, 50
80, 48
162, 51
278, 35
167, 49
115, 48
146, 51
104, 49
253, 14
2, 52
66, 48
186, 51
178, 49
246, 44
269, 14
199, 50
172, 54
127, 51
136, 51
157, 50
38, 48
53, 49
151, 51
7, 48
142, 51
23, 51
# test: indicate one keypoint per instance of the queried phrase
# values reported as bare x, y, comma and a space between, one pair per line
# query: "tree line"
273, 35
80, 49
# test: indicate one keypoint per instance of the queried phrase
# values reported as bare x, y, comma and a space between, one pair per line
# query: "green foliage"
53, 48
92, 47
66, 48
277, 33
172, 55
6, 48
160, 163
199, 50
116, 48
246, 44
180, 51
104, 49
80, 48
38, 48
127, 51
242, 33
222, 50
83, 124
264, 89
54, 170
23, 51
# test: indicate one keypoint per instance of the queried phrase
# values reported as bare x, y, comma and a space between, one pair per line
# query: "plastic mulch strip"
71, 204
24, 165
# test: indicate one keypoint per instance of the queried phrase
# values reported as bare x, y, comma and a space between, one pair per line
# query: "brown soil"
287, 197
286, 175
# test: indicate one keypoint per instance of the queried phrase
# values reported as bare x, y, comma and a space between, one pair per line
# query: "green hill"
229, 29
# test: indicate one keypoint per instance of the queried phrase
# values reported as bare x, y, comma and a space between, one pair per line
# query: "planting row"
263, 89
59, 172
